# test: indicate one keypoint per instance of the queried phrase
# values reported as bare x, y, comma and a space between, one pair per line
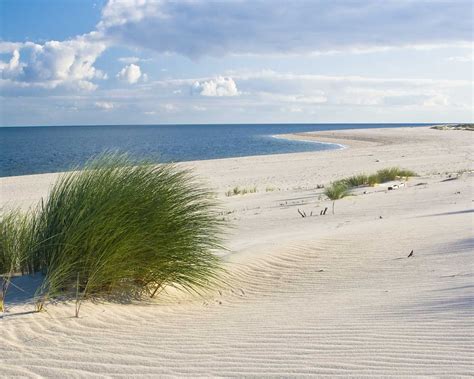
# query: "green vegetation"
240, 191
357, 180
336, 191
381, 176
469, 127
341, 188
389, 174
117, 228
15, 238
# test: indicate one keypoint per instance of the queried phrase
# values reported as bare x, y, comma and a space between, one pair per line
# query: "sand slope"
322, 295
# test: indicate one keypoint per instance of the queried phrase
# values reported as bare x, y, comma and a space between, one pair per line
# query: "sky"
92, 62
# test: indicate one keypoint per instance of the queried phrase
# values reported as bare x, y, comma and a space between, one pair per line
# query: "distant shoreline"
29, 151
289, 138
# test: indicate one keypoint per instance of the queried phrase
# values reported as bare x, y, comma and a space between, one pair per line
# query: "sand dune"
321, 295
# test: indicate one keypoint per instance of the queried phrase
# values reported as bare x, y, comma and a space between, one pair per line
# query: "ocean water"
34, 150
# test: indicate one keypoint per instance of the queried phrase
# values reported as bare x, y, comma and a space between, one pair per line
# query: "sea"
41, 149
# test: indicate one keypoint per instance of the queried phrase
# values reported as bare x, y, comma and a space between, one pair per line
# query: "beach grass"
341, 188
394, 173
240, 191
381, 176
356, 180
337, 190
16, 238
118, 228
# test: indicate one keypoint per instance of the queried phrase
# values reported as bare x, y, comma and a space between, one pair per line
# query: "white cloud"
199, 28
305, 91
133, 59
104, 105
169, 107
219, 86
315, 97
462, 58
128, 60
130, 73
69, 63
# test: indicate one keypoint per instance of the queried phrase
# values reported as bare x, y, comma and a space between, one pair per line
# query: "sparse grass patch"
240, 191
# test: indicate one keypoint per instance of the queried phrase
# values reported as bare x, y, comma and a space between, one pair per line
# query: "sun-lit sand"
317, 295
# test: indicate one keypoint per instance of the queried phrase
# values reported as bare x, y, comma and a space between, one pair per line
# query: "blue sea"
37, 149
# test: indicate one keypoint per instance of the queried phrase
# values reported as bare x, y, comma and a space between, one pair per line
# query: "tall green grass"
389, 174
341, 188
15, 239
336, 191
381, 176
120, 227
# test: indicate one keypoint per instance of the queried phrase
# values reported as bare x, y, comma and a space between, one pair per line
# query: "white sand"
321, 295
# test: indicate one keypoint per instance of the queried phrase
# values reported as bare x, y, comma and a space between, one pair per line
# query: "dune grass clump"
341, 188
389, 174
381, 176
120, 227
356, 180
336, 191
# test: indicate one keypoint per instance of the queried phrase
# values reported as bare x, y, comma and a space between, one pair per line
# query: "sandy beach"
332, 295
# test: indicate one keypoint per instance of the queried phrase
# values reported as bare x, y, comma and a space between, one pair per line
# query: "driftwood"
302, 213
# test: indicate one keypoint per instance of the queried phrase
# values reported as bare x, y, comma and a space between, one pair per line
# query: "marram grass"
341, 188
337, 190
119, 227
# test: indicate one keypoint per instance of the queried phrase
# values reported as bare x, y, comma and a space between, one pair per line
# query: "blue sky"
148, 61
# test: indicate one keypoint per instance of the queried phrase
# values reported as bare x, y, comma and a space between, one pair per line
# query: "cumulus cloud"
54, 63
198, 28
130, 73
220, 86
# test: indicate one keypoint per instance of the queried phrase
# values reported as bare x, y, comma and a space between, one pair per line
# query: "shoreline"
383, 144
299, 136
295, 137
